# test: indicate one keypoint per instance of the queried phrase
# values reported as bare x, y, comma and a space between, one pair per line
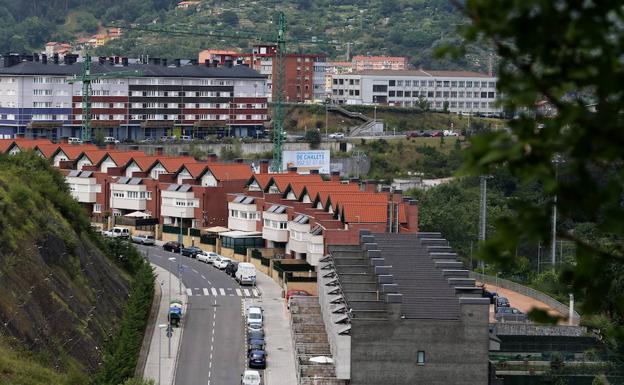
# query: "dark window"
380, 88
181, 93
335, 81
429, 94
446, 94
490, 95
484, 95
408, 94
357, 92
350, 81
399, 94
421, 357
391, 93
392, 83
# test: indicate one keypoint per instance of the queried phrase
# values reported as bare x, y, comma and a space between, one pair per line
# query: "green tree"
567, 54
314, 138
230, 18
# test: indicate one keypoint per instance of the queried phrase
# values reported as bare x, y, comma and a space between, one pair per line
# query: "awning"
215, 229
137, 214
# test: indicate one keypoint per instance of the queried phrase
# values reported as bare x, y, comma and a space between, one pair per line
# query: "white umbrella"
137, 214
322, 360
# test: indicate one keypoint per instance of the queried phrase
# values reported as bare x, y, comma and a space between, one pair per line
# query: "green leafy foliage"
567, 54
314, 137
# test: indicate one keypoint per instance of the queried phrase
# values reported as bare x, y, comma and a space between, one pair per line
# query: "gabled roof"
336, 198
47, 149
172, 164
74, 151
96, 156
195, 169
29, 144
261, 179
230, 171
282, 180
368, 213
5, 145
121, 158
144, 162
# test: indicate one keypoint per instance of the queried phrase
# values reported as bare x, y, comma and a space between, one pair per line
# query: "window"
97, 208
469, 84
423, 83
462, 84
446, 83
399, 83
490, 95
391, 93
42, 104
453, 84
438, 83
39, 92
380, 88
399, 94
483, 84
420, 360
408, 83
392, 83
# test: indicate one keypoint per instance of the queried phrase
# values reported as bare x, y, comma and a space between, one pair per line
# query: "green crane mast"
86, 78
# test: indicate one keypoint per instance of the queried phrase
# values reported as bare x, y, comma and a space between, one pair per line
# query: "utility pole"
278, 125
553, 244
482, 213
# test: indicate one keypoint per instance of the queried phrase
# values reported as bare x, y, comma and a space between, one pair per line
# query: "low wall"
523, 329
524, 290
310, 287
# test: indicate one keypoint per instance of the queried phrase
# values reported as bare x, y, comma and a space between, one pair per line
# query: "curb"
147, 338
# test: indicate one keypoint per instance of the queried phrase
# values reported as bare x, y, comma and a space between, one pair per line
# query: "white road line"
239, 292
195, 271
203, 277
221, 291
189, 292
246, 292
214, 291
255, 293
205, 291
210, 283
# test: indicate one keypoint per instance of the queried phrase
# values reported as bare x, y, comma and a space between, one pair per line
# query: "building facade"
455, 91
366, 63
38, 99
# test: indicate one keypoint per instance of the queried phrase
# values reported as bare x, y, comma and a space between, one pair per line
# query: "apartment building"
304, 74
366, 63
457, 91
38, 100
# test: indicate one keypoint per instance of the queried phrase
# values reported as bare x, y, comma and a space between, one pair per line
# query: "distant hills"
413, 28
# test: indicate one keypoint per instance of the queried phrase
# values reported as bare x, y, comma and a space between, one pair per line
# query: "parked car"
74, 140
117, 232
148, 140
510, 314
436, 134
254, 315
246, 273
426, 134
257, 359
294, 293
185, 138
254, 327
336, 135
221, 262
231, 268
143, 239
207, 256
502, 302
255, 345
414, 134
255, 335
449, 133
110, 139
190, 251
250, 377
173, 246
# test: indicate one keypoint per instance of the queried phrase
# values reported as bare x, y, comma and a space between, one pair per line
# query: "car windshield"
252, 377
255, 316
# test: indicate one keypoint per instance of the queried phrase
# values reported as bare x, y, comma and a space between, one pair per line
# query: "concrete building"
399, 309
366, 63
459, 91
37, 99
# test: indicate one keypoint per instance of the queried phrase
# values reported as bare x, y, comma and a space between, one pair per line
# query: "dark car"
255, 345
507, 314
257, 359
489, 294
436, 134
426, 134
502, 302
231, 268
190, 251
173, 247
255, 335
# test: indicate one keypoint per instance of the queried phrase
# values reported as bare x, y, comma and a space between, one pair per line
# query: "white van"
117, 232
246, 273
74, 140
254, 315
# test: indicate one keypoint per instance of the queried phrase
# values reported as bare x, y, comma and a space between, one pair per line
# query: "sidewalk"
163, 371
280, 351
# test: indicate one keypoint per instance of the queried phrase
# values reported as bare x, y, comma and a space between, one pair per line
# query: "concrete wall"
456, 352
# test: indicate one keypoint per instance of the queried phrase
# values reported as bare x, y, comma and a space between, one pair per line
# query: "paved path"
161, 361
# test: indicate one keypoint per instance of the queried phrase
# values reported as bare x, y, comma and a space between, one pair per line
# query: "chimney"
314, 171
335, 176
239, 160
177, 62
264, 166
397, 195
158, 151
212, 157
124, 61
164, 62
44, 58
370, 185
292, 170
411, 216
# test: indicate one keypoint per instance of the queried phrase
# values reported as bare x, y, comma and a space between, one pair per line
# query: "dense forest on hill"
414, 28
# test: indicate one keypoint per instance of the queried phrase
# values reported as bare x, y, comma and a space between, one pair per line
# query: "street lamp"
161, 326
171, 259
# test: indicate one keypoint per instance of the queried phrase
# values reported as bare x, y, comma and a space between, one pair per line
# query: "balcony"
178, 204
129, 197
242, 216
84, 190
275, 227
299, 236
315, 249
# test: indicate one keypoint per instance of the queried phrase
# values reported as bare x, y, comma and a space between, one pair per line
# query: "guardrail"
529, 292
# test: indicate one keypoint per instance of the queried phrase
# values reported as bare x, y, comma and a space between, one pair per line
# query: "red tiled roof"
95, 156
230, 171
172, 164
195, 169
73, 151
122, 158
368, 213
30, 144
262, 179
5, 144
338, 197
47, 149
314, 190
282, 180
144, 162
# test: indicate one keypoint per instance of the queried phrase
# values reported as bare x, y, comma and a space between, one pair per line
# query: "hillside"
392, 27
61, 298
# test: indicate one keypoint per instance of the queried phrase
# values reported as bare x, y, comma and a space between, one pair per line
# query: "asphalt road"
212, 348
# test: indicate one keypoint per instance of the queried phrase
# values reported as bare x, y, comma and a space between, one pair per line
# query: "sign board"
306, 160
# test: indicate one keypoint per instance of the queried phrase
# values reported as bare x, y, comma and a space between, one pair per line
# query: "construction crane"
279, 39
86, 78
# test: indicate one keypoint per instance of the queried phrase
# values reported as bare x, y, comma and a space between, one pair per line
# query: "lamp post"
171, 259
161, 326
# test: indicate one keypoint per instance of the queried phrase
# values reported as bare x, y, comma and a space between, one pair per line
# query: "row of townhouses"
297, 216
41, 97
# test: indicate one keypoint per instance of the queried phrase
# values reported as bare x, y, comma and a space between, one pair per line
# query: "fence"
256, 254
529, 292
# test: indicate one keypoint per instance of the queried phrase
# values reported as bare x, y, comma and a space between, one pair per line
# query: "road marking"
214, 291
246, 292
195, 271
221, 291
239, 292
205, 291
189, 292
256, 293
203, 277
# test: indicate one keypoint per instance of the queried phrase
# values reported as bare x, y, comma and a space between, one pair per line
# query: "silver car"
143, 239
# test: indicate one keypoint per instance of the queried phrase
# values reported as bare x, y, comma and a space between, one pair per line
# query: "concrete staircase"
365, 128
310, 340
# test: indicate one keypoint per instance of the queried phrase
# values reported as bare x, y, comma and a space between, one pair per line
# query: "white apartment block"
461, 91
